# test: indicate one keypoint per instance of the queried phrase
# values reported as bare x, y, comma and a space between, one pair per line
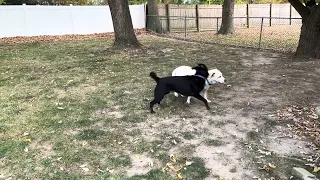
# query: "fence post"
248, 16
260, 38
168, 17
161, 22
217, 24
270, 23
290, 15
185, 27
197, 18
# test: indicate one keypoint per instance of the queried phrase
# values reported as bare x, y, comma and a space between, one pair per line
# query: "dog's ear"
196, 67
203, 66
212, 74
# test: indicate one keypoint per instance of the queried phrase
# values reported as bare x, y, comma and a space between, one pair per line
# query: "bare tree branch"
301, 9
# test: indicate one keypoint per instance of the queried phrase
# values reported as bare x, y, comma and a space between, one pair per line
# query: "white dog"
215, 76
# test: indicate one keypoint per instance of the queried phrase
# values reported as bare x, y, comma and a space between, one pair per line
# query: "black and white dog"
215, 76
184, 85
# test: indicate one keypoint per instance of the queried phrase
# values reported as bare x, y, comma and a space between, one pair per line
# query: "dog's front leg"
205, 94
198, 96
188, 99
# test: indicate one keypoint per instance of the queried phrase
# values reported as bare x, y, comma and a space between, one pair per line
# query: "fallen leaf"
26, 149
313, 116
316, 169
138, 157
110, 170
171, 167
172, 158
180, 176
188, 163
272, 166
174, 142
27, 140
85, 169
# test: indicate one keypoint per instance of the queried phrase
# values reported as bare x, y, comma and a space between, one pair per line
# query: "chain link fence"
280, 34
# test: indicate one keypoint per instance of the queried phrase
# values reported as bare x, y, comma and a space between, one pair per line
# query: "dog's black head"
202, 70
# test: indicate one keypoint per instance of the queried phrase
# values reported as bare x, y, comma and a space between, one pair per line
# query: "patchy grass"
196, 170
74, 110
214, 142
81, 101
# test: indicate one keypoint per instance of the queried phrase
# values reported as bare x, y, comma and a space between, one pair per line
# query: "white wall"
26, 20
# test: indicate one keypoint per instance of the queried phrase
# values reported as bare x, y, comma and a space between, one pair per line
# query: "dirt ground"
245, 115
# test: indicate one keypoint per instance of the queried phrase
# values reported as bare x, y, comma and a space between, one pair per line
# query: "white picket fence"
25, 20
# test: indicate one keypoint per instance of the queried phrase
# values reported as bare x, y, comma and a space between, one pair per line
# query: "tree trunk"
309, 42
122, 24
153, 20
227, 26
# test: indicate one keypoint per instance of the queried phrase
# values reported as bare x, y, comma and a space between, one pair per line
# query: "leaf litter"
304, 123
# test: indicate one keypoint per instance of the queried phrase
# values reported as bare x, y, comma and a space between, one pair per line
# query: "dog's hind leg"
198, 96
152, 103
157, 100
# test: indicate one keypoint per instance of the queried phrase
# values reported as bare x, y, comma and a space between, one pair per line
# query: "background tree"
73, 2
309, 42
227, 25
122, 24
153, 20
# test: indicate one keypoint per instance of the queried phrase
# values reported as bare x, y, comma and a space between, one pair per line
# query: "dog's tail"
154, 76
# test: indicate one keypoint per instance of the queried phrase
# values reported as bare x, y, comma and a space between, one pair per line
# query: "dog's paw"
176, 94
208, 101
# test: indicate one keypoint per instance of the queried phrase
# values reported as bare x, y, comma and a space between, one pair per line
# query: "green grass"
81, 105
213, 142
119, 161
